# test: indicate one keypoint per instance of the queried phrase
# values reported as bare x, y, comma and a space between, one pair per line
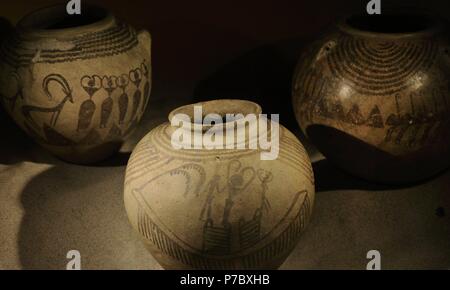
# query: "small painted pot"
373, 95
78, 85
211, 208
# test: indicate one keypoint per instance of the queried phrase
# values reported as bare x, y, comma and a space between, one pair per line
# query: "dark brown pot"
373, 96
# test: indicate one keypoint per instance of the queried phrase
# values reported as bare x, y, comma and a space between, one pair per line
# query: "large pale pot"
373, 95
78, 85
218, 209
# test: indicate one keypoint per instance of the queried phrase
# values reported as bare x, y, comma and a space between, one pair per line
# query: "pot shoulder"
157, 146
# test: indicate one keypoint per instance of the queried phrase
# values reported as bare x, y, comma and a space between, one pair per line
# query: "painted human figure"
212, 188
218, 237
236, 185
265, 177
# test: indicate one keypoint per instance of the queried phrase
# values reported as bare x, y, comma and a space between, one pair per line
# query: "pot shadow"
328, 177
410, 227
118, 159
367, 163
70, 208
407, 223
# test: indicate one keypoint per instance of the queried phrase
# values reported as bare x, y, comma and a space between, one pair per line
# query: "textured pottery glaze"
373, 96
218, 209
77, 84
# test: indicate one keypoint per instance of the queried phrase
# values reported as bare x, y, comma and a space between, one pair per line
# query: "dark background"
230, 48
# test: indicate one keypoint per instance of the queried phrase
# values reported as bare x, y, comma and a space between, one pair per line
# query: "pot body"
78, 91
218, 209
377, 104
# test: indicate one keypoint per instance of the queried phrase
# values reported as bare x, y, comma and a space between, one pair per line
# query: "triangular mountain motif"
375, 119
92, 138
354, 116
338, 111
55, 138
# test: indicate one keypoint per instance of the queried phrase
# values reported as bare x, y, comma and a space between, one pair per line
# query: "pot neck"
390, 26
236, 121
54, 22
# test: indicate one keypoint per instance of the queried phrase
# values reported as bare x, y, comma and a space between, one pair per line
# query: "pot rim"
32, 23
218, 107
435, 26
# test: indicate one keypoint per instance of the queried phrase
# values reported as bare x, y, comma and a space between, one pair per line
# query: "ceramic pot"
77, 84
218, 209
373, 95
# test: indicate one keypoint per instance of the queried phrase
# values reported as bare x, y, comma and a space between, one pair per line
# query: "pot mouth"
221, 108
55, 20
391, 25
